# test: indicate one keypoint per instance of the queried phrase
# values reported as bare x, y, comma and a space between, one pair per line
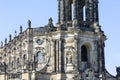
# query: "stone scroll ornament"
42, 59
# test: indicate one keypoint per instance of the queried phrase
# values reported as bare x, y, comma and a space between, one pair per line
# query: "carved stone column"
62, 55
59, 55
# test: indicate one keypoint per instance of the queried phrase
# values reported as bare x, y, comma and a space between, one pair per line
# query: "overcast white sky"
14, 13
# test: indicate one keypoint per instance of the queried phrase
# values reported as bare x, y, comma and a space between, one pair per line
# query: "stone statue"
69, 58
15, 33
1, 44
91, 74
20, 29
29, 23
5, 40
96, 26
50, 22
10, 37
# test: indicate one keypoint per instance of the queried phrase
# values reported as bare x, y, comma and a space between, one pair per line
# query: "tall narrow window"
72, 11
84, 55
84, 13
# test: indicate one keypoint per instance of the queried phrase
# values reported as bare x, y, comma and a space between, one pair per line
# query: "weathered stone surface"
71, 50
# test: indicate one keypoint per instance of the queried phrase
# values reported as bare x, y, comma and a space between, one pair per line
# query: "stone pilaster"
62, 55
77, 51
95, 12
52, 55
59, 55
30, 44
101, 57
56, 56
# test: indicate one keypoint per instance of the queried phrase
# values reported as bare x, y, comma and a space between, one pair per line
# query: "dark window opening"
18, 62
84, 56
24, 59
81, 10
69, 11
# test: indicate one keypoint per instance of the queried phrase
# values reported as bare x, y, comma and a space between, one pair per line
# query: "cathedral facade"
73, 49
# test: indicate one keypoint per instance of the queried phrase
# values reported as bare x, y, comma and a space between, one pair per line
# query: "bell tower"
71, 50
85, 12
83, 47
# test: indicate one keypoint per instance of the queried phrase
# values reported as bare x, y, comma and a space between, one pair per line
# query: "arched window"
84, 53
